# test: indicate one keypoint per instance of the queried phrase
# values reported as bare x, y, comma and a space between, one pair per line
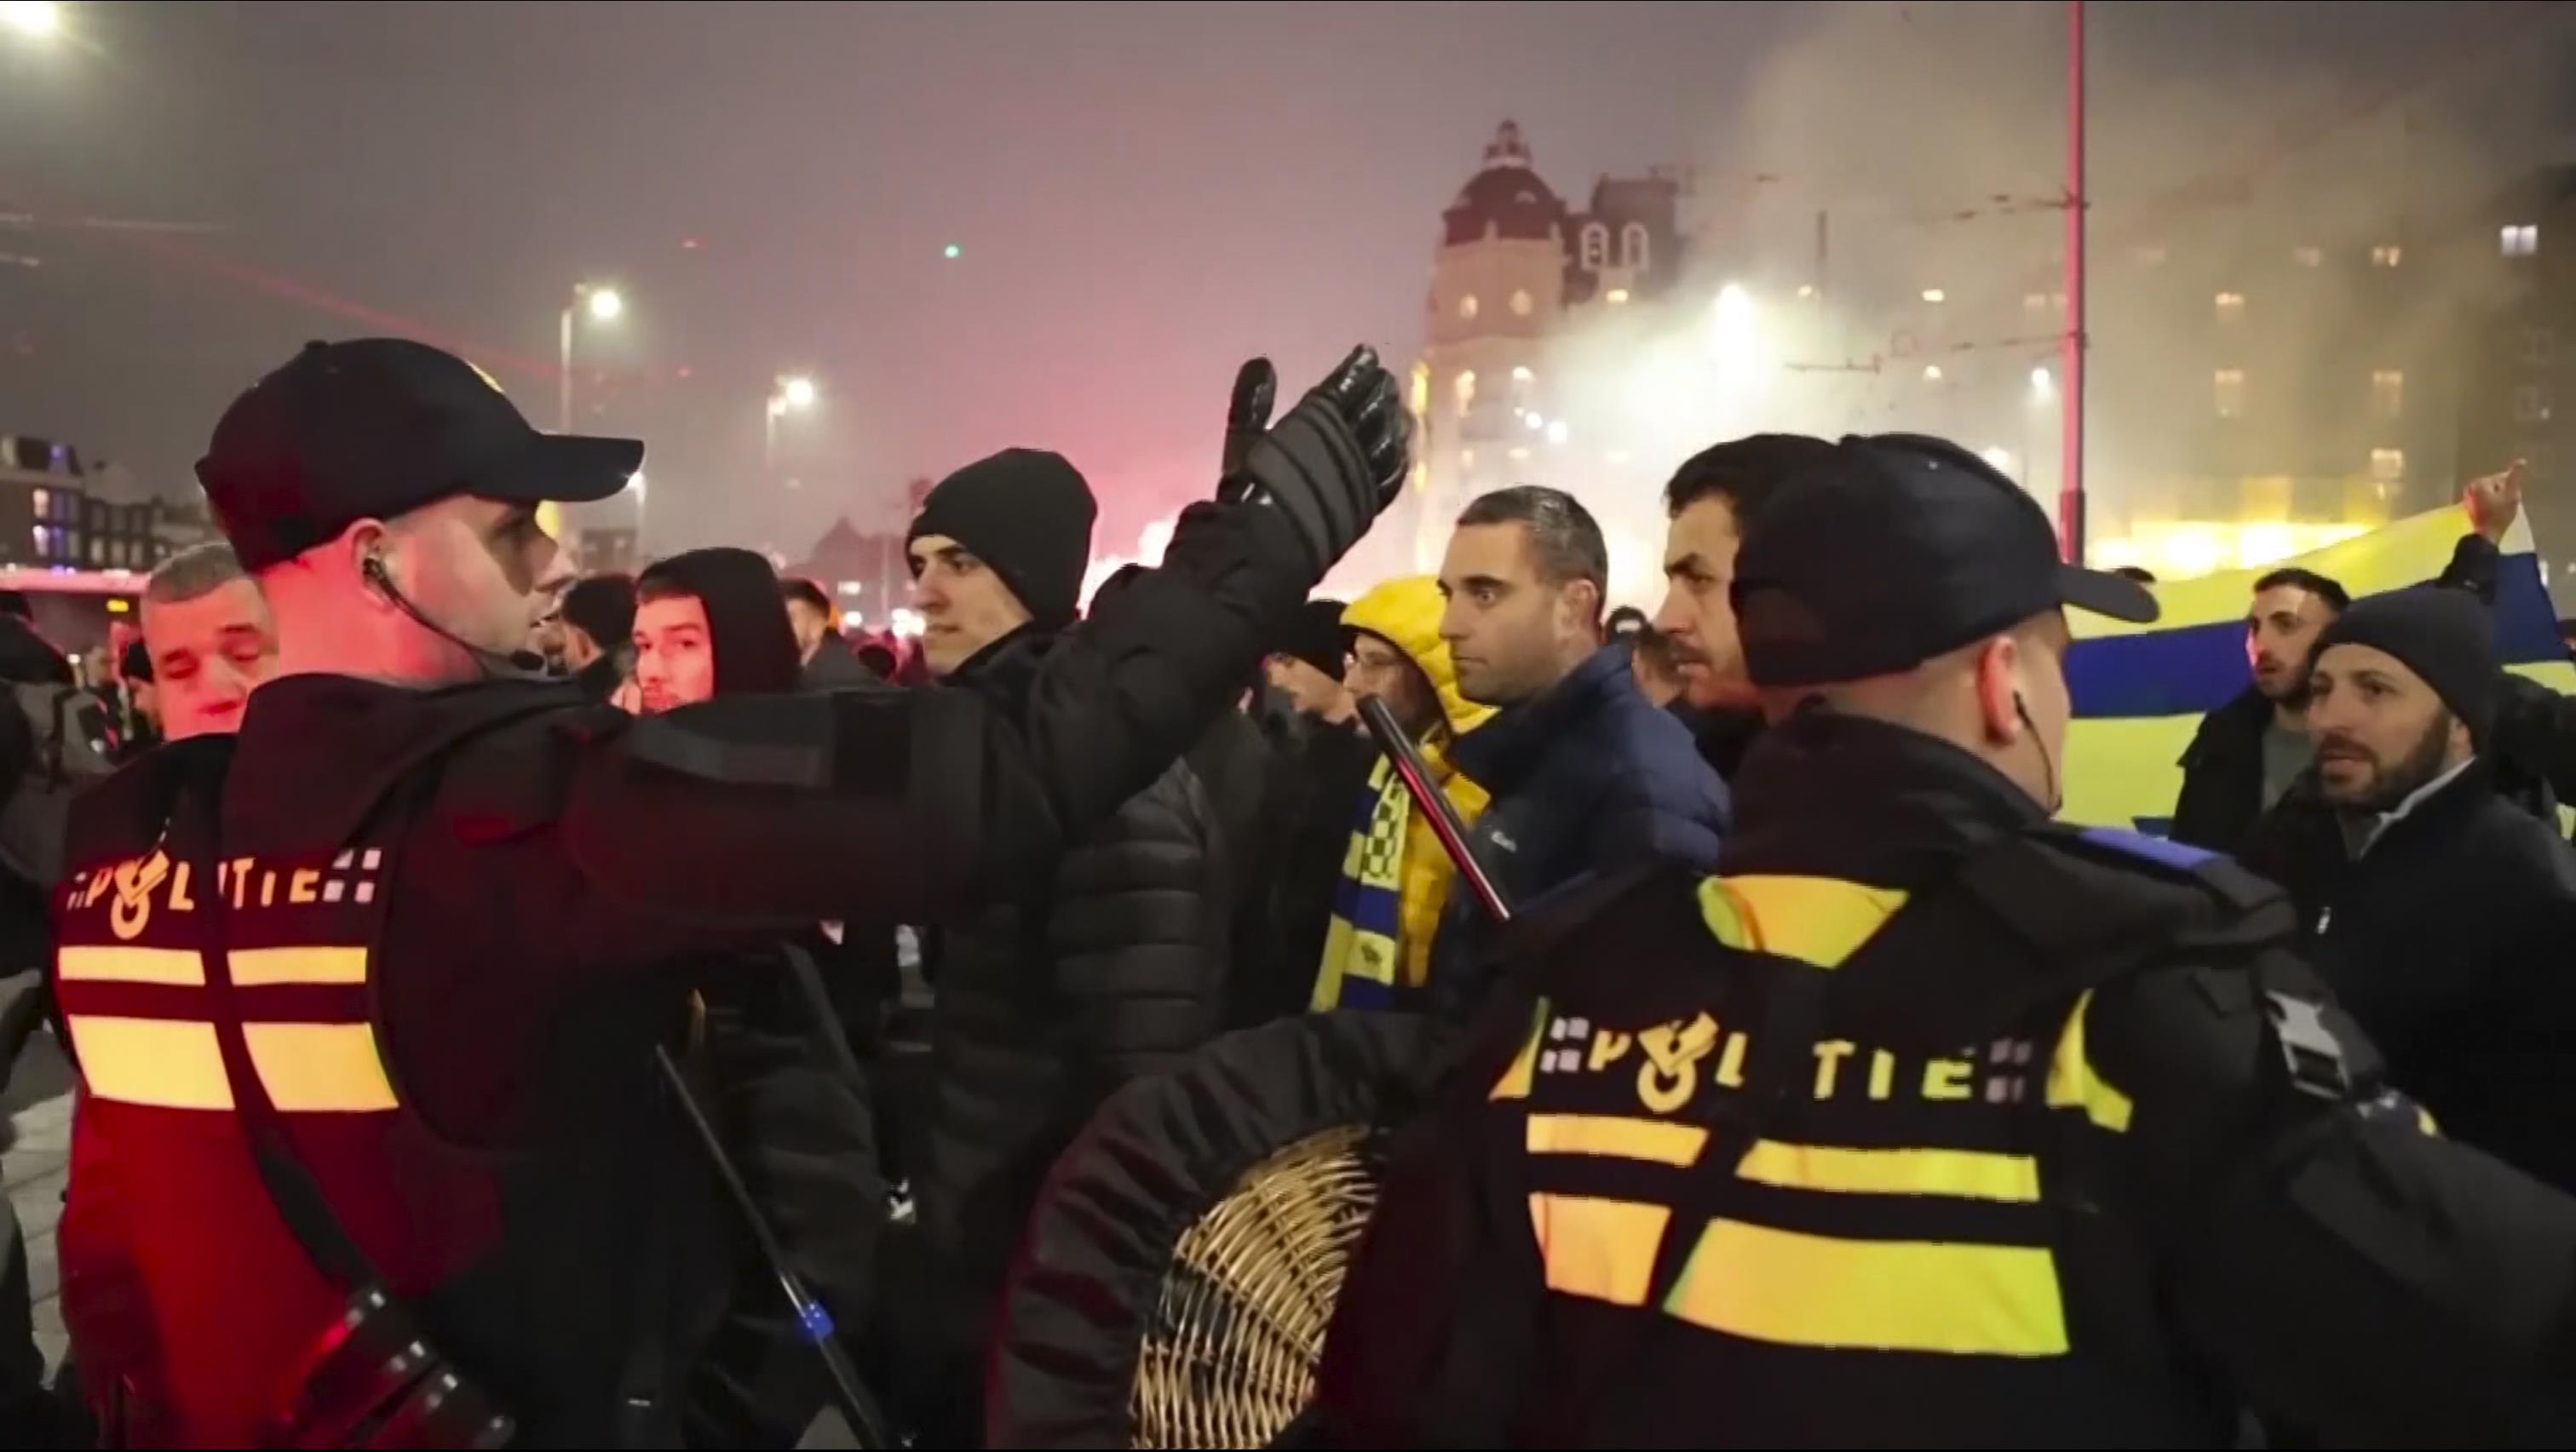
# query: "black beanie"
2444, 635
1027, 513
1315, 635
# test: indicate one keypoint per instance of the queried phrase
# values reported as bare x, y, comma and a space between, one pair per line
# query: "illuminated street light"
793, 395
35, 19
1934, 294
1931, 372
1534, 421
1557, 433
604, 305
2041, 384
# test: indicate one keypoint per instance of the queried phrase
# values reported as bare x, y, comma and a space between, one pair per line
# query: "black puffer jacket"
1043, 1008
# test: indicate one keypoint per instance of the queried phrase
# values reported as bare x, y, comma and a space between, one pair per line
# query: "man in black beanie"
2437, 910
999, 546
1044, 1006
1306, 666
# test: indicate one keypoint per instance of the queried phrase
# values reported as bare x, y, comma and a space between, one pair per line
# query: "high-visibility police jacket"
194, 1309
2035, 1140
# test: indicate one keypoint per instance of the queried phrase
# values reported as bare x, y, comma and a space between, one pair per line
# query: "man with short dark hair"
828, 659
1711, 501
1587, 775
598, 617
2247, 752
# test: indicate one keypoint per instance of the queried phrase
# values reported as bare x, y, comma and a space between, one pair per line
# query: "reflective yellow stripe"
177, 967
1964, 1174
1617, 1135
320, 1068
1806, 1290
1603, 1250
1515, 1083
165, 1063
265, 967
2072, 1084
1816, 920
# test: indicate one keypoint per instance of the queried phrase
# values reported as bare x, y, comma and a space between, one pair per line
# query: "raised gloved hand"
1247, 413
1335, 462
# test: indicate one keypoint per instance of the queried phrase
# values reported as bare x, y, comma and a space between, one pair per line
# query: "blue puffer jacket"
1589, 778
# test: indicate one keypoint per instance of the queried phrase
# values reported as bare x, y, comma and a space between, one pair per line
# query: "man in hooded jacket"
780, 1082
1395, 879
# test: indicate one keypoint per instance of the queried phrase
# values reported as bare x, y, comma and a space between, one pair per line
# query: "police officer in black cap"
1928, 1121
362, 999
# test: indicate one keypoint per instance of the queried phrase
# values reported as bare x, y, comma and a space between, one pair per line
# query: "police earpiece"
2047, 763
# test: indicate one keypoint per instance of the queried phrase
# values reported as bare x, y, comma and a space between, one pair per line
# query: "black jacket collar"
1502, 753
1842, 796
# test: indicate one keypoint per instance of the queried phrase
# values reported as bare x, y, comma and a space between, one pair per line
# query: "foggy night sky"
1144, 194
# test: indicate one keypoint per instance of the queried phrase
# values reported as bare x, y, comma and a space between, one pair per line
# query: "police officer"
1927, 1121
361, 998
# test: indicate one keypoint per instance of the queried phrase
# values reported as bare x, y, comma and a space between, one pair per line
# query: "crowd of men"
427, 854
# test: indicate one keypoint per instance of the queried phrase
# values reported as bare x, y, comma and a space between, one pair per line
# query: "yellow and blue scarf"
1395, 884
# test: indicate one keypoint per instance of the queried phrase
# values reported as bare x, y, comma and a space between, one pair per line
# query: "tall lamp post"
603, 304
792, 395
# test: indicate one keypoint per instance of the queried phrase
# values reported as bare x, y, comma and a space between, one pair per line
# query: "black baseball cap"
378, 427
1894, 549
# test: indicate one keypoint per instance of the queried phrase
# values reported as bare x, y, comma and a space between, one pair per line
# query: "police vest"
187, 1296
1760, 1227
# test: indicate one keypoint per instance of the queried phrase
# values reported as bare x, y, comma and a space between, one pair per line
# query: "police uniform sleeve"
2347, 1272
898, 806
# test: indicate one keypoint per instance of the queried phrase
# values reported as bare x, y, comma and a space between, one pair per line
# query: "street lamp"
604, 305
792, 395
35, 19
2041, 384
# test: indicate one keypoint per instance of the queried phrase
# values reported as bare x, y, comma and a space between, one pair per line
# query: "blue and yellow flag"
2140, 690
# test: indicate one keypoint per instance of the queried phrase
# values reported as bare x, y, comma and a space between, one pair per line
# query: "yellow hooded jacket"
1395, 877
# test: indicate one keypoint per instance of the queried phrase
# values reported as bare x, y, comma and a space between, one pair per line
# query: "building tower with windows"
1497, 290
1516, 273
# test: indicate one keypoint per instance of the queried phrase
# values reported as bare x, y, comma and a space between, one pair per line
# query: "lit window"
2539, 342
2231, 307
1934, 294
2519, 241
1466, 458
1521, 304
2227, 388
2387, 393
1467, 308
1522, 374
1632, 245
1618, 295
1596, 247
41, 503
1466, 390
848, 587
2308, 256
2387, 254
2388, 465
2531, 404
40, 539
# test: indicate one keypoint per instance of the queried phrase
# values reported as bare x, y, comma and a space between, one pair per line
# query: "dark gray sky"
1144, 193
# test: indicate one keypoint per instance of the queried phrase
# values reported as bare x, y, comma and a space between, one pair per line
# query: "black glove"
1335, 462
1256, 389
